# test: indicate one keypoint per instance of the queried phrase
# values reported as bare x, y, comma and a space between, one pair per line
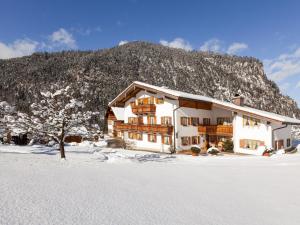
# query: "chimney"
238, 100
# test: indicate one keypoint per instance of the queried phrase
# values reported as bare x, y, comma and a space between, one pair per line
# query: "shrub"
195, 150
228, 146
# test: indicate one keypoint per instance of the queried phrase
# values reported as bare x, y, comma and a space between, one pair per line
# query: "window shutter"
181, 120
242, 143
162, 139
155, 120
140, 120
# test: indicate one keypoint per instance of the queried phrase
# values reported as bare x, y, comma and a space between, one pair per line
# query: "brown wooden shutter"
140, 120
242, 143
181, 120
162, 139
189, 120
155, 120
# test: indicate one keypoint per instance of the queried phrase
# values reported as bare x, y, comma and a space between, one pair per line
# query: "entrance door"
279, 144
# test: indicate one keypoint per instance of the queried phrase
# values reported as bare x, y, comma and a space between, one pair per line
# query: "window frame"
185, 141
163, 120
206, 121
193, 120
182, 119
155, 138
169, 138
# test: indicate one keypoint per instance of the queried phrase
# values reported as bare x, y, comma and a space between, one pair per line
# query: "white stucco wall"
263, 132
184, 131
282, 134
165, 109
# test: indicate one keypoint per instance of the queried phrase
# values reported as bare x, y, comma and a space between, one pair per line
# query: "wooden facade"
221, 130
143, 109
183, 102
157, 128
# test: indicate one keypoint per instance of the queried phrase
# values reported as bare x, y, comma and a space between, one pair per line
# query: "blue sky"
268, 30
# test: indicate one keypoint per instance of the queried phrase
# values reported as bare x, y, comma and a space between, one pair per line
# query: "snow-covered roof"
229, 105
119, 112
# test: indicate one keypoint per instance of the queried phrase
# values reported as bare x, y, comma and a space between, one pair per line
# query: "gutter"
174, 130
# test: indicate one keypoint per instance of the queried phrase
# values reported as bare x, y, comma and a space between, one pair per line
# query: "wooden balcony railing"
163, 129
143, 109
222, 130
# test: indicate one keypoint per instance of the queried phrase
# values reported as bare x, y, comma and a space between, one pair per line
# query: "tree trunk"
62, 149
62, 141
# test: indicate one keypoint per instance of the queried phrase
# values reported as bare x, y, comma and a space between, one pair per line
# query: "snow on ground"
98, 185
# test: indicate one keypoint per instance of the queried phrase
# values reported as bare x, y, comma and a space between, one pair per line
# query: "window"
140, 101
249, 121
131, 135
167, 140
195, 140
151, 100
139, 136
152, 137
184, 121
159, 101
166, 120
132, 104
250, 144
206, 121
224, 120
185, 141
195, 121
119, 134
151, 119
288, 142
132, 120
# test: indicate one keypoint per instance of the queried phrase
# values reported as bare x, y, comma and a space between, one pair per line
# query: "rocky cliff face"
100, 75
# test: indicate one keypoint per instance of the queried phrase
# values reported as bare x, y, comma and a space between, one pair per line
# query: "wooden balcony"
143, 109
163, 129
220, 130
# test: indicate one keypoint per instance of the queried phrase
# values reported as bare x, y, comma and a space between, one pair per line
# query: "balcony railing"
163, 129
143, 109
222, 130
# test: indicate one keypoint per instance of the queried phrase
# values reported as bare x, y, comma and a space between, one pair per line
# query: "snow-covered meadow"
98, 185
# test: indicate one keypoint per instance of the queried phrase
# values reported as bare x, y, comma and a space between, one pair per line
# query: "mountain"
100, 75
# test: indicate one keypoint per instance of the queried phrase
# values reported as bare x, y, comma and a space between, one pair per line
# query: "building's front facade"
159, 119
